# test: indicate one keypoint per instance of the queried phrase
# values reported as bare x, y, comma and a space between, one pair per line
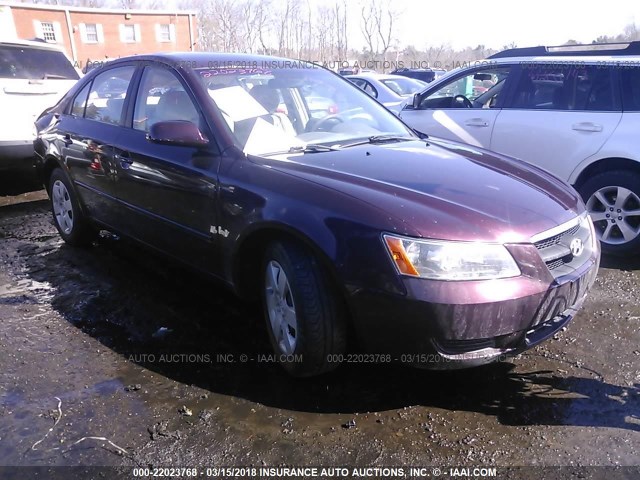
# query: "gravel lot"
137, 351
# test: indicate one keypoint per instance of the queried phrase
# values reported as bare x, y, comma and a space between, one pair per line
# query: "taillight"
333, 109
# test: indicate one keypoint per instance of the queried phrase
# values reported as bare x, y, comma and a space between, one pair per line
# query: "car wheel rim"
281, 309
615, 212
62, 208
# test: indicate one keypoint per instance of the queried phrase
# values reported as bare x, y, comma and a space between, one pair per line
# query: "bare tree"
377, 25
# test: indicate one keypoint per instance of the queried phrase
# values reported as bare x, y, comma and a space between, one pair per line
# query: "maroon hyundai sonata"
339, 219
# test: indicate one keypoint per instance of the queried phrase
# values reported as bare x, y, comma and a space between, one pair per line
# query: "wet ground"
165, 368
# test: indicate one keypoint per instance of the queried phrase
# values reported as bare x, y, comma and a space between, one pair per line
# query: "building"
93, 34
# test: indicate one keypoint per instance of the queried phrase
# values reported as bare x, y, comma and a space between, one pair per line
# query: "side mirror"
177, 132
417, 99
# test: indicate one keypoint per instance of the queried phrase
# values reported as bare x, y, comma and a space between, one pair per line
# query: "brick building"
98, 33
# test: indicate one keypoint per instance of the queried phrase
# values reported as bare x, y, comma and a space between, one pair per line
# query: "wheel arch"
248, 254
605, 165
49, 164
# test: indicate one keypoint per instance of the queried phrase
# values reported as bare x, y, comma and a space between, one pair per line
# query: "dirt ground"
114, 342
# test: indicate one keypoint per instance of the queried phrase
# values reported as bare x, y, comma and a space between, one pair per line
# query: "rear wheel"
613, 201
67, 215
305, 318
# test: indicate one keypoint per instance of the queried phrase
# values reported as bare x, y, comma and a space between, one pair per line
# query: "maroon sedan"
427, 252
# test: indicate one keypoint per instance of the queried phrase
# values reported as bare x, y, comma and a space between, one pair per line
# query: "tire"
305, 317
68, 217
613, 201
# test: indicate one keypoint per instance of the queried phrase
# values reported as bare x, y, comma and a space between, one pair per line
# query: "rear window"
34, 63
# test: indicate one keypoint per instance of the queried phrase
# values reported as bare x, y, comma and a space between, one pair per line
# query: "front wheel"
305, 318
613, 202
67, 215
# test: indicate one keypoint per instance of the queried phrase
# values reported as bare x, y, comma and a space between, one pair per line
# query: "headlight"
442, 260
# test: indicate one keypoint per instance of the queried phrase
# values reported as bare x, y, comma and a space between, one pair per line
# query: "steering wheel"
461, 101
326, 123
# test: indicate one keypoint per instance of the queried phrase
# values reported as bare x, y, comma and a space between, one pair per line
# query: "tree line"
325, 32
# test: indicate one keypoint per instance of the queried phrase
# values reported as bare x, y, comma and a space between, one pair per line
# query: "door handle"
124, 159
586, 127
476, 122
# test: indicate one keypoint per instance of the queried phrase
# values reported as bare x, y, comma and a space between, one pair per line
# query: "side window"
631, 89
108, 94
370, 89
478, 89
564, 87
366, 86
80, 102
594, 89
161, 97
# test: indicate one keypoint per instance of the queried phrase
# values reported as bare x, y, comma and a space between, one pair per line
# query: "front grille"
556, 252
464, 346
549, 242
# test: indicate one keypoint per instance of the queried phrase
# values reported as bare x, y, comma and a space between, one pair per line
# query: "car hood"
443, 189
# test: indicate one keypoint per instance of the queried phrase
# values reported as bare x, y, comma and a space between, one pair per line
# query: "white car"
33, 76
573, 111
392, 91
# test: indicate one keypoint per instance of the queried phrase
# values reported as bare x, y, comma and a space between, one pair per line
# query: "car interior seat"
113, 111
560, 100
525, 93
268, 97
176, 105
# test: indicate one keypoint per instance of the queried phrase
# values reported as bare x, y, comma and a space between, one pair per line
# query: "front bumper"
449, 325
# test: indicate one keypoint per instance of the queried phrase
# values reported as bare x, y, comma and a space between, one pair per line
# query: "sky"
495, 23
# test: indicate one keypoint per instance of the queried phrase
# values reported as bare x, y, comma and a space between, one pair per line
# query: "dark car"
431, 253
425, 74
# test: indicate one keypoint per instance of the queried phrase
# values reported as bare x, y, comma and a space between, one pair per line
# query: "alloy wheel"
615, 212
62, 207
281, 308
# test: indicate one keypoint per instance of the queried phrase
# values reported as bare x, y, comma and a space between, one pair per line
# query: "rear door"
87, 134
559, 115
168, 191
464, 108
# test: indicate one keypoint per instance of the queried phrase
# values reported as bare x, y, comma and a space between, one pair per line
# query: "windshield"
34, 63
404, 86
278, 110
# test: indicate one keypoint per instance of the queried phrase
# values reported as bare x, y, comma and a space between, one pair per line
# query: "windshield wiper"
312, 148
379, 139
54, 76
421, 135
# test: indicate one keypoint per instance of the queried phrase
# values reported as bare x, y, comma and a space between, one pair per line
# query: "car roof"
20, 42
616, 49
216, 59
377, 76
559, 59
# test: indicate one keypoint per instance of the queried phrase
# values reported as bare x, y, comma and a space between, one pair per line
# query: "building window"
91, 33
48, 32
130, 33
165, 32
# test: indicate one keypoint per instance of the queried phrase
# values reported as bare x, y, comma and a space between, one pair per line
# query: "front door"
463, 108
169, 190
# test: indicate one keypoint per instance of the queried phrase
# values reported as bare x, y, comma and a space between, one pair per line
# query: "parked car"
571, 110
424, 74
353, 70
390, 90
431, 252
33, 76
